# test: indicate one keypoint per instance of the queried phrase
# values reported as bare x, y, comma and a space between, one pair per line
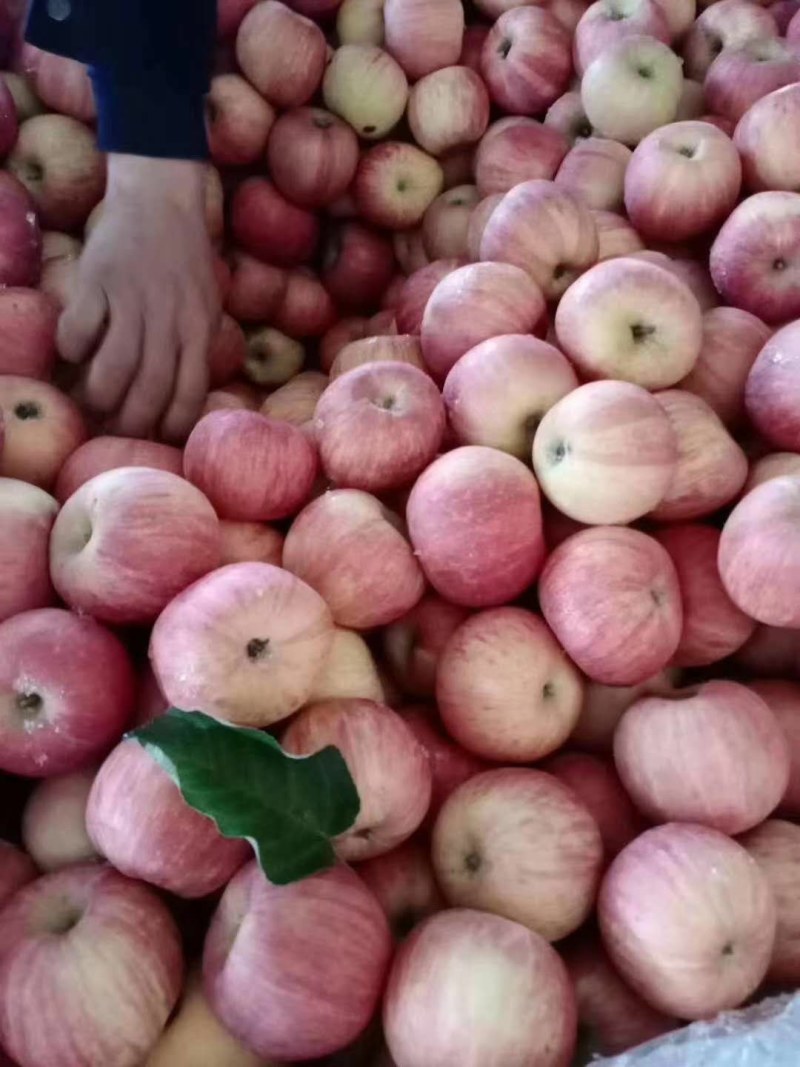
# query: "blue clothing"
150, 62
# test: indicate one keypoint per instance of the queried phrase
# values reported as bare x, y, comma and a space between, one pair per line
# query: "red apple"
773, 465
680, 15
568, 116
54, 821
416, 292
16, 870
367, 88
43, 427
448, 109
9, 120
269, 226
27, 514
394, 349
239, 121
282, 53
725, 24
423, 35
230, 14
775, 846
593, 171
526, 61
783, 700
604, 706
409, 250
772, 394
306, 309
615, 236
568, 12
414, 643
742, 75
20, 240
250, 542
606, 22
101, 454
395, 184
450, 764
338, 337
515, 150
793, 30
404, 885
357, 266
312, 156
768, 139
445, 226
257, 288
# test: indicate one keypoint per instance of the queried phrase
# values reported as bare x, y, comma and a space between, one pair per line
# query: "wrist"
181, 181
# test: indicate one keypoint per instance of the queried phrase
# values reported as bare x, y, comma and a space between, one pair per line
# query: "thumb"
82, 323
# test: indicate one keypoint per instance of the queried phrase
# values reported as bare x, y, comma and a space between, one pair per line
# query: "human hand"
146, 302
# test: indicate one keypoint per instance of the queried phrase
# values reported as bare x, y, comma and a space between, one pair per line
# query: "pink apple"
783, 11
43, 427
773, 465
377, 427
568, 116
594, 172
269, 226
57, 160
772, 394
544, 230
101, 454
137, 818
694, 273
349, 548
605, 453
358, 264
713, 627
753, 260
360, 22
27, 333
473, 304
515, 150
505, 689
680, 15
714, 754
612, 598
244, 644
741, 76
230, 14
450, 764
691, 945
793, 30
239, 121
306, 310
9, 120
526, 61
27, 514
604, 706
349, 671
414, 643
435, 1002
66, 692
256, 289
607, 22
632, 320
312, 156
250, 542
632, 88
404, 885
416, 292
88, 939
389, 767
227, 352
128, 540
768, 139
54, 821
448, 109
445, 227
409, 250
281, 53
62, 84
711, 468
367, 88
472, 46
474, 518
615, 236
423, 35
352, 328
20, 240
397, 348
275, 990
518, 843
783, 700
395, 184
775, 846
725, 24
16, 870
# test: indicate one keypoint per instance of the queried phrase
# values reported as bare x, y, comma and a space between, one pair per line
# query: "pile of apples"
497, 490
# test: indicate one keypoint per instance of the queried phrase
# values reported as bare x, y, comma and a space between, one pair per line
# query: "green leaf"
288, 807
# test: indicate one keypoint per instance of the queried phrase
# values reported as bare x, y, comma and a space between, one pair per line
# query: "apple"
498, 393
349, 547
773, 465
101, 454
631, 320
683, 180
239, 121
526, 61
16, 870
448, 109
445, 226
62, 84
783, 700
605, 453
473, 304
414, 643
22, 90
544, 230
450, 764
423, 35
772, 393
783, 11
360, 22
230, 14
250, 542
725, 24
306, 309
128, 540
772, 651
504, 688
732, 339
711, 468
367, 88
256, 289
615, 236
680, 15
377, 427
753, 257
66, 692
27, 514
515, 150
434, 1008
269, 226
395, 184
518, 843
623, 624
358, 264
352, 328
695, 274
349, 671
713, 627
416, 292
231, 397
312, 156
474, 518
775, 846
252, 468
741, 76
57, 160
568, 116
689, 944
767, 139
606, 22
604, 706
43, 427
398, 348
404, 885
282, 53
631, 88
477, 224
692, 103
9, 120
54, 821
593, 171
409, 250
89, 939
611, 1016
793, 30
28, 322
20, 240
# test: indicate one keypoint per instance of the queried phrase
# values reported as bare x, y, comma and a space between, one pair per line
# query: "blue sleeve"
150, 62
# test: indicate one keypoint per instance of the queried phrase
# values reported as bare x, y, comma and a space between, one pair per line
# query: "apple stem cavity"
27, 410
257, 649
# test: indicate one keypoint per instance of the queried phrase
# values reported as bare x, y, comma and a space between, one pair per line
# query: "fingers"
82, 323
117, 360
152, 386
191, 384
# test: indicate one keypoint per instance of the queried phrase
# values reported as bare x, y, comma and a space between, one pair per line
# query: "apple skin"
773, 465
725, 24
433, 1005
43, 427
783, 700
775, 846
372, 351
404, 885
772, 394
349, 671
445, 226
256, 288
416, 292
623, 624
307, 1009
349, 547
239, 121
207, 647
741, 76
772, 651
593, 171
230, 14
681, 757
474, 518
758, 556
269, 226
605, 453
793, 30
519, 843
390, 769
514, 150
312, 156
249, 542
367, 88
474, 303
504, 688
606, 22
448, 109
137, 818
604, 706
689, 969
413, 644
9, 120
615, 236
16, 870
101, 454
567, 115
358, 264
50, 932
352, 328
423, 35
27, 515
20, 239
281, 53
54, 821
753, 261
767, 138
613, 319
526, 61
71, 679
395, 184
360, 22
